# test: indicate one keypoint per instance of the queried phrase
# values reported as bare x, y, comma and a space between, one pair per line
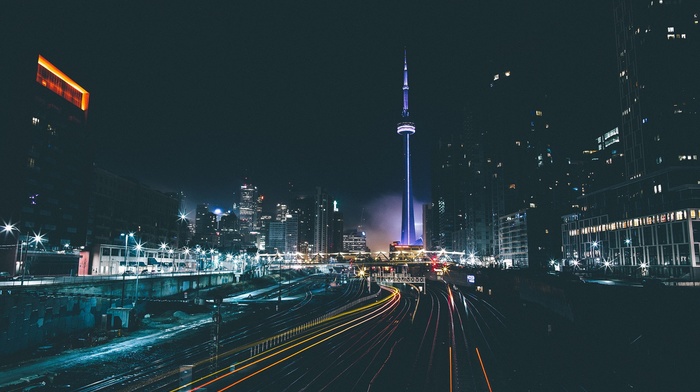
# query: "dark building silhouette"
206, 225
322, 219
501, 164
121, 205
302, 210
648, 224
47, 160
337, 228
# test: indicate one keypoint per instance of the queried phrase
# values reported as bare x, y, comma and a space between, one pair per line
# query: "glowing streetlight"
186, 252
9, 228
163, 247
36, 238
138, 248
126, 248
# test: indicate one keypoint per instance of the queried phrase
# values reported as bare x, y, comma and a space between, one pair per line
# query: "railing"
66, 279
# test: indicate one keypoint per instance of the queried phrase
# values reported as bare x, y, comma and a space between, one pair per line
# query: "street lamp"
186, 252
594, 246
138, 248
126, 249
37, 239
163, 248
9, 228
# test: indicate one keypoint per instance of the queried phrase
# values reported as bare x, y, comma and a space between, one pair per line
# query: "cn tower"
406, 128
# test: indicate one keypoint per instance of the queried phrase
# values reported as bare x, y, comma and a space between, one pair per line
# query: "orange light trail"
384, 303
484, 370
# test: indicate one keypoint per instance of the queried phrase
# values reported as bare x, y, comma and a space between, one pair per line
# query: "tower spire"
404, 113
406, 128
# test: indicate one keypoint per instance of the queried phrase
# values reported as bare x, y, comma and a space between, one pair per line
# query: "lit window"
495, 77
507, 73
35, 121
670, 30
538, 113
683, 36
670, 36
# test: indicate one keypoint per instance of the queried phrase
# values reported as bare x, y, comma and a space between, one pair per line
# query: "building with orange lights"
47, 164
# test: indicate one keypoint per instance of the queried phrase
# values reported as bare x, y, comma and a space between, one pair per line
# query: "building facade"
646, 224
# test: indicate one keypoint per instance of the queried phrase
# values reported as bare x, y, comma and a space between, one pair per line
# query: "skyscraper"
406, 128
322, 221
248, 210
47, 160
657, 47
648, 224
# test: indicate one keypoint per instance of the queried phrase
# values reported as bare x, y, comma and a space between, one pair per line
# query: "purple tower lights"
406, 128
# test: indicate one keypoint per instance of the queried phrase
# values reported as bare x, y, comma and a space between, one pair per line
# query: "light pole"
126, 249
9, 228
163, 248
23, 245
279, 293
136, 288
594, 246
186, 252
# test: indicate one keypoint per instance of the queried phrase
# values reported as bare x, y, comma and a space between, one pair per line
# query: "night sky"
195, 96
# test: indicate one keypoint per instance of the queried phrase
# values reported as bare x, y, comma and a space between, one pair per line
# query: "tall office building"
291, 234
302, 210
275, 239
648, 225
248, 210
119, 205
406, 128
46, 156
322, 222
449, 189
206, 226
657, 55
337, 228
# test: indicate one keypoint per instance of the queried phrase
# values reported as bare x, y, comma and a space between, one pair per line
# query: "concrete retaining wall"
32, 315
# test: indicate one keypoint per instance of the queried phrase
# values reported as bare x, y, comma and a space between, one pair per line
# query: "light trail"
483, 369
381, 306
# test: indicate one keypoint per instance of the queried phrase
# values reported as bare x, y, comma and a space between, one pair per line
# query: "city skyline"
196, 99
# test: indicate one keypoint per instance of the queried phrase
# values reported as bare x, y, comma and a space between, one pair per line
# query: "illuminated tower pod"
406, 128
